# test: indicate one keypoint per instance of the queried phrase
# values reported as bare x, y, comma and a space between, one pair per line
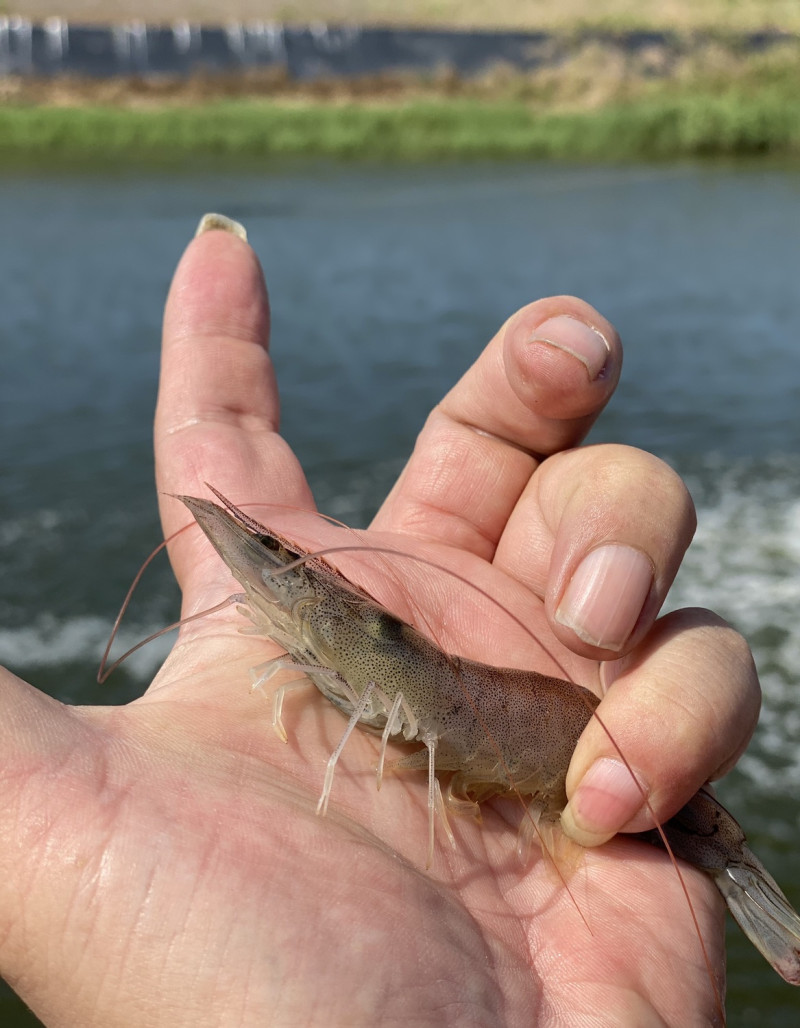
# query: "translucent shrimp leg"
391, 728
261, 673
355, 717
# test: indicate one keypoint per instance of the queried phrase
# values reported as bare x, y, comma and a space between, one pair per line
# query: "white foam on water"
49, 643
744, 564
17, 530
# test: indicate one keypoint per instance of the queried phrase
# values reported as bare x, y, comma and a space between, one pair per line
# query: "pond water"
385, 286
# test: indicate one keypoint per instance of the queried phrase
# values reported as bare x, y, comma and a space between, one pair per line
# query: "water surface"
385, 286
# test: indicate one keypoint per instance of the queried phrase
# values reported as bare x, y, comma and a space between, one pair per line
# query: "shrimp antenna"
389, 551
104, 672
327, 551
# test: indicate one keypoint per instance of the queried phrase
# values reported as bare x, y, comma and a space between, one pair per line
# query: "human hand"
162, 862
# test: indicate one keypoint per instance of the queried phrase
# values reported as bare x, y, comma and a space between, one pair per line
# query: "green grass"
659, 126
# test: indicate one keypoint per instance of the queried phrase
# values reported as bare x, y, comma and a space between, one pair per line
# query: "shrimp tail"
706, 835
763, 913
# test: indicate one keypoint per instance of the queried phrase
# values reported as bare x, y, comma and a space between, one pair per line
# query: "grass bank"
416, 130
715, 100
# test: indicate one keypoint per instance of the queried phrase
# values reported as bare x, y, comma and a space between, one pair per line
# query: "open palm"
163, 863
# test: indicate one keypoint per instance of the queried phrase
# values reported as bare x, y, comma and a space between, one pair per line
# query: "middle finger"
537, 388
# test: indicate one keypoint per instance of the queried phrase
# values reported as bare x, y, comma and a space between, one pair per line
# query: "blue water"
385, 286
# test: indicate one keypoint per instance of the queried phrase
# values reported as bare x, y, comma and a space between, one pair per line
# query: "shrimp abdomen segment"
527, 724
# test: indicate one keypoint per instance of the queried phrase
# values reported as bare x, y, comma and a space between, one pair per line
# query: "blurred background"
387, 279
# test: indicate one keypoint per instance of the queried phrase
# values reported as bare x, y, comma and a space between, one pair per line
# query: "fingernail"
605, 596
221, 221
576, 338
606, 799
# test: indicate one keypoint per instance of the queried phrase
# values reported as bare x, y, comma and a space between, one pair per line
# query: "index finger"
536, 389
217, 415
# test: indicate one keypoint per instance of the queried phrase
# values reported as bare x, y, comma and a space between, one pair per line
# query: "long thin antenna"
104, 672
327, 551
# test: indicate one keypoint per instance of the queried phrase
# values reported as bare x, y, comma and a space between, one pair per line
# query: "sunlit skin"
162, 864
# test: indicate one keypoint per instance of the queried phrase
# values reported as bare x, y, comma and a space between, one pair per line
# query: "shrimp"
497, 730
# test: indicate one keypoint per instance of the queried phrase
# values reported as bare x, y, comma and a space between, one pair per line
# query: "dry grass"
682, 15
593, 77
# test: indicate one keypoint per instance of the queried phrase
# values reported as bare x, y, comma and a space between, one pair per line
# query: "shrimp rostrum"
494, 730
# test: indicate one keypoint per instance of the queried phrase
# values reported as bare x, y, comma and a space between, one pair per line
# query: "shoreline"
587, 102
249, 132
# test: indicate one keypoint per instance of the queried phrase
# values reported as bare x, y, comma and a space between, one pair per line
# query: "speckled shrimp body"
497, 730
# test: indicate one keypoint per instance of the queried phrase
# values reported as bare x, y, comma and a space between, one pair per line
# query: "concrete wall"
57, 47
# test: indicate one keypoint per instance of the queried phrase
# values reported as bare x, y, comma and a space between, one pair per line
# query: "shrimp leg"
355, 717
389, 729
261, 673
